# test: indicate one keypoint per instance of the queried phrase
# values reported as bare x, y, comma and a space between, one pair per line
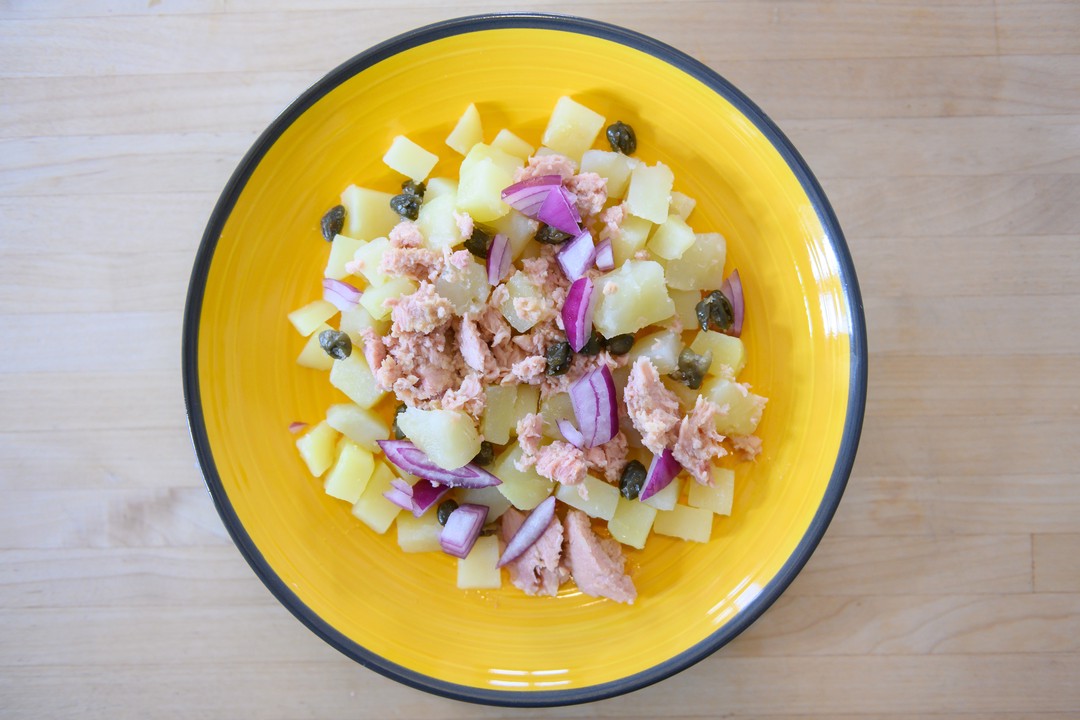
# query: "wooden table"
946, 133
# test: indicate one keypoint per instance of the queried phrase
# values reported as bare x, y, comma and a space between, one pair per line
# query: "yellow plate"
262, 256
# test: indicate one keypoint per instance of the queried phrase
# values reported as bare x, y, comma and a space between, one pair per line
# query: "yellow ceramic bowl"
262, 256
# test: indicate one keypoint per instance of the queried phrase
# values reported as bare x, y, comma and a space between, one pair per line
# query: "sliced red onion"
577, 312
498, 259
399, 497
605, 257
295, 427
530, 531
571, 200
596, 406
732, 289
662, 470
412, 460
416, 498
528, 196
559, 213
577, 255
462, 528
341, 294
571, 433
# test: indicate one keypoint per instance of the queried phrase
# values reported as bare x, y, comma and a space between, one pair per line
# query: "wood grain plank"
1057, 561
1037, 26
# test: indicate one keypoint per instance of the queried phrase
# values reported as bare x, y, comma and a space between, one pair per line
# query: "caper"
715, 312
336, 344
593, 346
442, 513
632, 479
333, 222
621, 138
478, 243
486, 454
397, 431
406, 205
620, 344
692, 368
559, 356
411, 188
551, 236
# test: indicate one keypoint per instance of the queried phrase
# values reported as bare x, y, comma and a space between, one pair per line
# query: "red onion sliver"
605, 257
399, 498
462, 528
340, 294
528, 195
424, 495
295, 427
412, 460
662, 470
596, 406
571, 200
571, 433
530, 531
498, 259
577, 312
402, 486
576, 256
558, 213
732, 289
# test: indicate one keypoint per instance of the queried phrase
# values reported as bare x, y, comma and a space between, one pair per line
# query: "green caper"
692, 368
442, 513
551, 236
397, 431
593, 346
333, 222
336, 344
715, 312
406, 205
559, 356
479, 243
411, 188
632, 479
620, 344
486, 454
621, 137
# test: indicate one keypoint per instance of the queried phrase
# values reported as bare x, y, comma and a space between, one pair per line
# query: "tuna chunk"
590, 192
653, 409
698, 443
421, 312
536, 571
474, 350
609, 458
469, 397
412, 262
562, 462
596, 564
420, 368
613, 219
374, 349
541, 165
491, 323
546, 274
749, 446
464, 223
530, 431
529, 371
406, 234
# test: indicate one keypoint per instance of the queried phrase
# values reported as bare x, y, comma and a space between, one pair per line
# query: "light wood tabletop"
945, 132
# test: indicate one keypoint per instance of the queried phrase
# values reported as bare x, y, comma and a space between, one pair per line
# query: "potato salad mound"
538, 358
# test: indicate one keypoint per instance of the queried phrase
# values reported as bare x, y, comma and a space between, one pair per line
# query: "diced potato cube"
673, 238
744, 407
506, 161
362, 426
367, 256
639, 298
467, 289
353, 377
316, 448
612, 166
682, 205
356, 320
662, 348
511, 144
418, 534
480, 184
367, 213
350, 474
518, 229
312, 316
572, 128
716, 498
667, 498
447, 437
701, 267
632, 522
727, 351
374, 299
437, 223
685, 306
687, 397
633, 233
341, 251
650, 192
478, 571
372, 508
602, 502
520, 286
693, 524
528, 401
499, 416
409, 159
313, 356
525, 489
489, 497
554, 408
467, 132
437, 187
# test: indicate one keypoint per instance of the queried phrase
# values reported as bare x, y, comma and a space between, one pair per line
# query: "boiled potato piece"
362, 426
489, 497
701, 267
312, 316
572, 128
353, 322
682, 521
685, 305
649, 195
554, 408
499, 413
350, 474
727, 352
744, 407
437, 223
518, 229
682, 205
632, 522
511, 144
316, 448
602, 502
671, 239
467, 132
367, 213
525, 489
638, 298
313, 356
717, 497
528, 401
478, 571
467, 289
372, 508
667, 498
483, 177
409, 159
632, 236
612, 166
504, 160
418, 534
520, 286
687, 397
367, 257
374, 299
662, 348
342, 250
437, 187
447, 437
353, 377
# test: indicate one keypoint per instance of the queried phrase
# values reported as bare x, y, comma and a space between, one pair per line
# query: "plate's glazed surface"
263, 256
